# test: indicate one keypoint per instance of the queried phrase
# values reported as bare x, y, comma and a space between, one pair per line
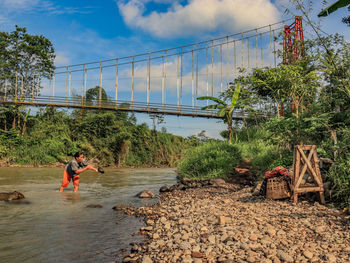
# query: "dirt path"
227, 224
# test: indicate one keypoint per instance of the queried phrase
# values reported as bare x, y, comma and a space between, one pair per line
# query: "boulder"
165, 188
11, 196
94, 206
217, 182
145, 194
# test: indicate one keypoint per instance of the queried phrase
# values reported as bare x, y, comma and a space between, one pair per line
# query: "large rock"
11, 196
217, 182
94, 206
145, 194
165, 188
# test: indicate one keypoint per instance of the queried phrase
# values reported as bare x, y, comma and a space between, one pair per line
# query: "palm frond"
212, 98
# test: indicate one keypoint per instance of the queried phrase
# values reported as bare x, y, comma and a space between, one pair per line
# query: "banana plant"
333, 7
225, 110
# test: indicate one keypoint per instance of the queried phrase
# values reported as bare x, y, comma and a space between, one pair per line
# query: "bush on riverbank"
254, 145
112, 138
212, 159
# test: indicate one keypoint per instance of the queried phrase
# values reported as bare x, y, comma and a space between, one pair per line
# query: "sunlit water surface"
59, 227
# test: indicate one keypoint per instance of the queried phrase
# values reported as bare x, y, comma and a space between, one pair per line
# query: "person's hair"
77, 154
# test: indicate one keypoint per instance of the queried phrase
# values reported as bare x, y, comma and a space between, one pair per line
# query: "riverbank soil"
227, 223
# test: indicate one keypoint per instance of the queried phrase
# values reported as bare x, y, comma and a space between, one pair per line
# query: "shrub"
339, 176
212, 159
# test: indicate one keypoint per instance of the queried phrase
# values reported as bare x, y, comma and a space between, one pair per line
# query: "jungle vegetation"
305, 102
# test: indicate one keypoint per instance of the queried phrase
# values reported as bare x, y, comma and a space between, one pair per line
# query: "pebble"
229, 224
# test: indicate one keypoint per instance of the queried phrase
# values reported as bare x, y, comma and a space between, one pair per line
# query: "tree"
225, 110
94, 95
288, 81
157, 119
24, 59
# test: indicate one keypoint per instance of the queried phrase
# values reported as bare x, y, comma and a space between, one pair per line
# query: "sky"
85, 31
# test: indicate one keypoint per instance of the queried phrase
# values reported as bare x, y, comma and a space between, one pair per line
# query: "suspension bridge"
167, 81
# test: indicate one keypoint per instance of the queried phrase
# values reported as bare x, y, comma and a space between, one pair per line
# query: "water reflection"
59, 227
69, 196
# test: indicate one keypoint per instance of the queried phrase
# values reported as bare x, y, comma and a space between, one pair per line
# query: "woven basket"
277, 188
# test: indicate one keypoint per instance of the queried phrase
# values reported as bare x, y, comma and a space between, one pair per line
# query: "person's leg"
76, 183
65, 180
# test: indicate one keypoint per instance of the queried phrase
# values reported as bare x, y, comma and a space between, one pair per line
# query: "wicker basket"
277, 188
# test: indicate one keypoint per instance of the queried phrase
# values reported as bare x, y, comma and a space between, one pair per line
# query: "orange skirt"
66, 179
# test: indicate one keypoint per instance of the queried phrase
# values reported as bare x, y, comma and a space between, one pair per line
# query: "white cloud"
15, 6
199, 16
18, 4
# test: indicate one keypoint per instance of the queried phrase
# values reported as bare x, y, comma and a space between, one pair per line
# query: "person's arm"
89, 167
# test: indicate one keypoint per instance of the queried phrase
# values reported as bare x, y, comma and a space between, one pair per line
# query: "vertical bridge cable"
38, 88
50, 80
83, 87
212, 65
163, 59
261, 51
66, 84
148, 78
33, 86
196, 74
248, 51
234, 59
85, 74
100, 89
116, 84
53, 87
270, 47
16, 86
181, 79
132, 81
242, 52
274, 48
220, 70
22, 88
177, 79
256, 48
69, 85
166, 61
206, 49
192, 81
227, 62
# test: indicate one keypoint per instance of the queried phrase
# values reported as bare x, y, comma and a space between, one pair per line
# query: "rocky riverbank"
226, 223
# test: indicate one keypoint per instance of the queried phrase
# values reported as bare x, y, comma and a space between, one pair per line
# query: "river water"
59, 227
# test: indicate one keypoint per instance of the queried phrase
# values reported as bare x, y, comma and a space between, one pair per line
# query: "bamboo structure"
306, 174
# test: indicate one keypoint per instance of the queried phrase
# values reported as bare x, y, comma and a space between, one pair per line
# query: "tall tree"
24, 59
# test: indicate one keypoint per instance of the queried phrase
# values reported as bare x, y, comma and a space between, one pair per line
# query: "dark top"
74, 166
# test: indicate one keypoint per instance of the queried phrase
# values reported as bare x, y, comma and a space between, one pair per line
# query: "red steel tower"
293, 41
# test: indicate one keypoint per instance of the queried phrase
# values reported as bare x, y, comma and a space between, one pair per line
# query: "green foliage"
209, 160
23, 54
254, 145
339, 176
225, 110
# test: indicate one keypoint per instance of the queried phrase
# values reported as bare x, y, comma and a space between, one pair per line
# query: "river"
59, 227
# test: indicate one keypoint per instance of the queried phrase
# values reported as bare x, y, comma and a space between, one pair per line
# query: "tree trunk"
335, 141
230, 133
24, 128
14, 122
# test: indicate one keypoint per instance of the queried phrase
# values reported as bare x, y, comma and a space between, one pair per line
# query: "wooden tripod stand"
306, 165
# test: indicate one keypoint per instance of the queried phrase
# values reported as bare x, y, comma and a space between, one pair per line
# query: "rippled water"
58, 227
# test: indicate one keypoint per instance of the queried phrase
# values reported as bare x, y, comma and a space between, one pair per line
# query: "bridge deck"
141, 107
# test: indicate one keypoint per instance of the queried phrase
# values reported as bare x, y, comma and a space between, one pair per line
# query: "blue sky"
83, 31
